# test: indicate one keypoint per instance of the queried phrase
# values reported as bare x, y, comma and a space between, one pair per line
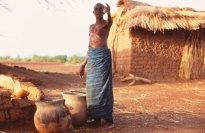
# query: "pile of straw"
193, 58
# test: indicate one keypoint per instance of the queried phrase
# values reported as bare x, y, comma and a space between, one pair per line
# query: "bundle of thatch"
193, 58
154, 18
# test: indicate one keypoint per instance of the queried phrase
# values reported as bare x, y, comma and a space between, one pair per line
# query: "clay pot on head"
76, 102
51, 117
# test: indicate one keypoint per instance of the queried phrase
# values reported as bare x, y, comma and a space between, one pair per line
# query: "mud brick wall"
122, 52
15, 110
157, 55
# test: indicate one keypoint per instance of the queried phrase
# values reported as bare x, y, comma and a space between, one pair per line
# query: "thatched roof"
137, 14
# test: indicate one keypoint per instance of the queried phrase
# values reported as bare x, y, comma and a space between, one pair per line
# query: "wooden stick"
135, 79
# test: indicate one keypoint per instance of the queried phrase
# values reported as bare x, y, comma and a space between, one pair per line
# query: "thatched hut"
158, 42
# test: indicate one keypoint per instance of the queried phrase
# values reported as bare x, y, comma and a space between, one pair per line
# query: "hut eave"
159, 18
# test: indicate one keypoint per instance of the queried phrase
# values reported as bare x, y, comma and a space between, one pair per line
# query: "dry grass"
193, 58
159, 18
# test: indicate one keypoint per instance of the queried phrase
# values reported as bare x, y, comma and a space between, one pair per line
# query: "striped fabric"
99, 84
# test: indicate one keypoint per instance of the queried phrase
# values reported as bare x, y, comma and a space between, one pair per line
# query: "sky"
32, 27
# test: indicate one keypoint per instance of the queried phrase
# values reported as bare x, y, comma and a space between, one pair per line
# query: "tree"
50, 3
4, 5
55, 3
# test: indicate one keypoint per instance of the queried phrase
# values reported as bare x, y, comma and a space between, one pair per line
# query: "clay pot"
51, 117
76, 102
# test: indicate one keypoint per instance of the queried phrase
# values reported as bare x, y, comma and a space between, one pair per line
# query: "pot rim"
74, 93
50, 102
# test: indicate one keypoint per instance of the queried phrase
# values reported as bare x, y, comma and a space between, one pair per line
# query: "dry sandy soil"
165, 106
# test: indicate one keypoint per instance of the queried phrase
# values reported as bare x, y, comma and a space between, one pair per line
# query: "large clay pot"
51, 117
76, 102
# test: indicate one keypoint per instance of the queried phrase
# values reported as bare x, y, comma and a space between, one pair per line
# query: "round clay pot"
51, 117
76, 102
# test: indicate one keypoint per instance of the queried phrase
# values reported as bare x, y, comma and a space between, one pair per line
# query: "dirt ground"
166, 106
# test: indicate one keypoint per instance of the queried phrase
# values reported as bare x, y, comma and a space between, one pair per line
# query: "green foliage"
74, 59
58, 58
18, 58
27, 59
5, 58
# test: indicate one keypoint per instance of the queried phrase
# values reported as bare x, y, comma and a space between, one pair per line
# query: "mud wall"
122, 52
15, 110
157, 55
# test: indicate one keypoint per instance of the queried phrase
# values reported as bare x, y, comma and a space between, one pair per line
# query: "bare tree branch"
53, 4
4, 5
1, 35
